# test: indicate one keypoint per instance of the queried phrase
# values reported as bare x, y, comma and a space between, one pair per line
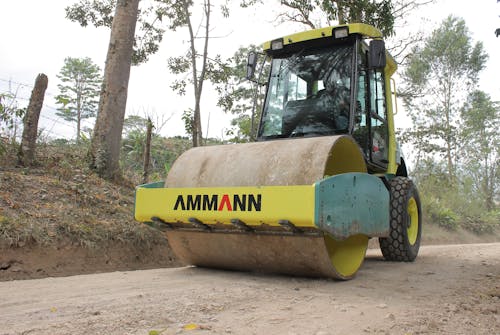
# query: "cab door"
370, 116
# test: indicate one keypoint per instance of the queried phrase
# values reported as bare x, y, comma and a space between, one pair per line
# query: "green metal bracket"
352, 203
157, 184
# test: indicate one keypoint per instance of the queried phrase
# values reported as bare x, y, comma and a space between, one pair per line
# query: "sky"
36, 38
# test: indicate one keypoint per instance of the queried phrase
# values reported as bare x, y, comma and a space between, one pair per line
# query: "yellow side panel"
252, 205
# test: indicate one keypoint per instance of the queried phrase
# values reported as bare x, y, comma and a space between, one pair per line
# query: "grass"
61, 201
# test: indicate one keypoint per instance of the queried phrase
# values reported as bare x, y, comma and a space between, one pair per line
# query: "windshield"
309, 93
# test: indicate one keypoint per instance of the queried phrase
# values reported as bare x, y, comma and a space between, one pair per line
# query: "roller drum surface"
272, 163
300, 161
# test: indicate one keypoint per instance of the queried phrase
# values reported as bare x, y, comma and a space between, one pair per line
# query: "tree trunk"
196, 124
26, 154
106, 140
78, 116
487, 184
340, 12
447, 126
203, 68
147, 152
198, 79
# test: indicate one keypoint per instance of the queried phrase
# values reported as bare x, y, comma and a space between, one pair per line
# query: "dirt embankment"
452, 289
31, 262
59, 222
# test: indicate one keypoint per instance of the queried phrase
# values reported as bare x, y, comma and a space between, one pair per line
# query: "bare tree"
147, 151
181, 10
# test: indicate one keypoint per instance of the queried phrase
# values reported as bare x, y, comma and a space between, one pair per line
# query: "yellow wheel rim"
347, 256
412, 230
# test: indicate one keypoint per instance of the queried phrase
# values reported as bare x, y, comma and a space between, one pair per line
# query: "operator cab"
326, 86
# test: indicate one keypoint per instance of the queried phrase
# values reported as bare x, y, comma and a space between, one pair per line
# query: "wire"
56, 123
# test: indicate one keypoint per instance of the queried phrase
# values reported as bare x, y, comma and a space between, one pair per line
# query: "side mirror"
376, 55
251, 64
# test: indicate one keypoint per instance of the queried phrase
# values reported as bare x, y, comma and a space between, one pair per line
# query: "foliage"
377, 13
241, 130
452, 204
8, 110
195, 67
454, 131
237, 94
10, 117
442, 216
100, 13
188, 117
163, 151
484, 223
79, 91
480, 121
439, 75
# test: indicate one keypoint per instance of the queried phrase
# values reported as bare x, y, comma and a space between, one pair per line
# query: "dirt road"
448, 290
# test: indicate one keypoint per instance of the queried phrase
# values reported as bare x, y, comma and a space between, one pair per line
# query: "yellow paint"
347, 256
354, 28
389, 70
344, 157
394, 91
412, 230
191, 326
392, 166
293, 203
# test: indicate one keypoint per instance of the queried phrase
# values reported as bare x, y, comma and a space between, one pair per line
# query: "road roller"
324, 175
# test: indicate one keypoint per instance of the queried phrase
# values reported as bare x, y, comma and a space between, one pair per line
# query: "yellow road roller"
323, 177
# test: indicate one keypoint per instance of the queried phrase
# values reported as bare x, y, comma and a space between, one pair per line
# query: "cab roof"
365, 30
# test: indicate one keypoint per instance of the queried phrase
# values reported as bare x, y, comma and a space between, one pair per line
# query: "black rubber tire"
398, 246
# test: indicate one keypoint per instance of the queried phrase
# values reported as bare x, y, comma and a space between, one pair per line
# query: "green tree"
79, 91
237, 95
377, 13
134, 136
195, 66
10, 115
480, 145
438, 77
100, 13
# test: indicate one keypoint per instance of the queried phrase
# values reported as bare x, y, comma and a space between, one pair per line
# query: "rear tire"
403, 242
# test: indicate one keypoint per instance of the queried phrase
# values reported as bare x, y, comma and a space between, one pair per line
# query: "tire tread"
396, 247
